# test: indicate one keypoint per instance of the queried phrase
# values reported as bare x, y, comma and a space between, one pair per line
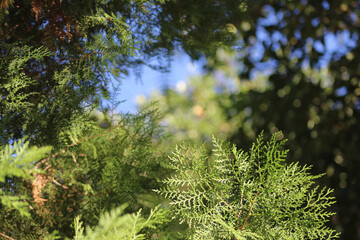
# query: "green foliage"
101, 169
56, 63
16, 160
247, 195
32, 104
117, 225
14, 97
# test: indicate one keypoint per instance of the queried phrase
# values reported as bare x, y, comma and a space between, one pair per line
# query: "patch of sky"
331, 42
319, 46
278, 36
357, 105
271, 17
262, 35
297, 34
256, 52
275, 46
315, 22
353, 17
133, 91
297, 53
266, 68
341, 92
337, 105
296, 11
325, 5
335, 45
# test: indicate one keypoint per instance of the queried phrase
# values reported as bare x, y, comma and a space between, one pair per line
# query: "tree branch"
5, 236
247, 217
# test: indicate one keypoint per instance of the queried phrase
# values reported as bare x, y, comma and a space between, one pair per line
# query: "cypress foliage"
99, 170
246, 195
57, 58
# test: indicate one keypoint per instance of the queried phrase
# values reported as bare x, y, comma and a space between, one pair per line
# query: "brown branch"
5, 236
73, 155
227, 205
241, 203
45, 161
247, 217
31, 208
4, 4
59, 184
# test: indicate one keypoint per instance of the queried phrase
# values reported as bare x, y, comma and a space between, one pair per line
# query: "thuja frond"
14, 80
247, 195
102, 169
15, 162
117, 225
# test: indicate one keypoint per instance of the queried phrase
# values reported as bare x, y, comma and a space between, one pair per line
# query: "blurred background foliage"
294, 68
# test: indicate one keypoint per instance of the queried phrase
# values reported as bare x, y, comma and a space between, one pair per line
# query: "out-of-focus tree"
204, 105
195, 110
296, 69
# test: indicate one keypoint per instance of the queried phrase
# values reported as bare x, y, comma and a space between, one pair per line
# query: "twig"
70, 60
78, 59
59, 184
247, 217
31, 208
241, 203
6, 236
73, 155
227, 205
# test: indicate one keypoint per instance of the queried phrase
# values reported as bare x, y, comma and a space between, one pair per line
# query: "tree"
313, 93
57, 60
195, 110
289, 76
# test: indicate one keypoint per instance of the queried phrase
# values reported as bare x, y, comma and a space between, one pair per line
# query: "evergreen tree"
57, 59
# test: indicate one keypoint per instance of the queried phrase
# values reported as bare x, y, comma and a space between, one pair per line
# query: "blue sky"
181, 69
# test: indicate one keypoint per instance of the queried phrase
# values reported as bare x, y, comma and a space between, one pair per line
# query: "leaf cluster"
117, 225
247, 195
99, 170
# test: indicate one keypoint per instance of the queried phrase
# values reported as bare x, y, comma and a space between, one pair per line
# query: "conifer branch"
250, 209
236, 180
7, 237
